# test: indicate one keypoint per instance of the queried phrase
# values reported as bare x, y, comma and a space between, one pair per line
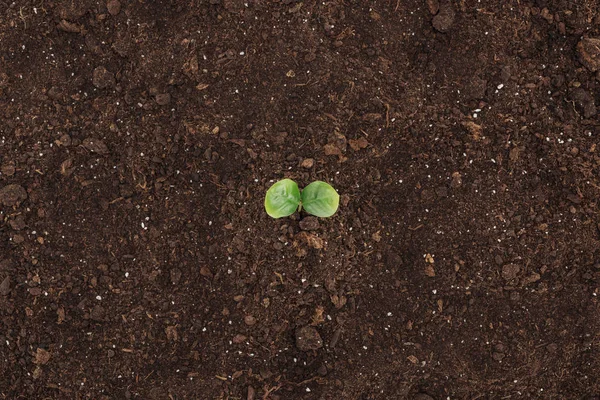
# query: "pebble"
103, 78
12, 195
308, 338
588, 50
249, 320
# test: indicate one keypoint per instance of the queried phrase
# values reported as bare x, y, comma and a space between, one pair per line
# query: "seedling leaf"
320, 199
282, 198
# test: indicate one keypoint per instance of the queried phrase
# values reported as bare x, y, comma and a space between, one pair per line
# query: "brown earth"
137, 140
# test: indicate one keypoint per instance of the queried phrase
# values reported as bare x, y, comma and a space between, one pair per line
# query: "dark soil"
137, 140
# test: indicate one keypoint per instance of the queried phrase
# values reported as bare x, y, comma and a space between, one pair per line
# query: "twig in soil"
271, 390
415, 228
387, 115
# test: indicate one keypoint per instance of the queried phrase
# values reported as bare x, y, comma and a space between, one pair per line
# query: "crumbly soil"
137, 140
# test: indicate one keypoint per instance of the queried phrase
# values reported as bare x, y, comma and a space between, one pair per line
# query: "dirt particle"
444, 18
206, 272
584, 102
239, 338
309, 224
456, 180
98, 313
358, 144
17, 223
18, 239
307, 163
433, 6
35, 291
12, 195
422, 396
5, 286
95, 145
42, 356
103, 78
249, 320
497, 356
510, 271
8, 170
70, 27
308, 338
114, 7
175, 276
251, 393
162, 99
171, 332
588, 50
311, 240
430, 271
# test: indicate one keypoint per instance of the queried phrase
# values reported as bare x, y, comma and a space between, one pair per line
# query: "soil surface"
137, 141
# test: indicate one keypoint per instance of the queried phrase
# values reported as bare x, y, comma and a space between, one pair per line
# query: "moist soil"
138, 138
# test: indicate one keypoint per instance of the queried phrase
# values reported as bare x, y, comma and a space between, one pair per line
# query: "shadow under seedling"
283, 199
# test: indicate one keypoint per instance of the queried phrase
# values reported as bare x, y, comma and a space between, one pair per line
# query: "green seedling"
284, 198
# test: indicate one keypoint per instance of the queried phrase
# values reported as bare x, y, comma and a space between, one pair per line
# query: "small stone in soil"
12, 195
308, 338
309, 224
103, 78
249, 320
445, 18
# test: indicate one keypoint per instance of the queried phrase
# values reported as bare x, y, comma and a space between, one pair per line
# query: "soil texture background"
137, 140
